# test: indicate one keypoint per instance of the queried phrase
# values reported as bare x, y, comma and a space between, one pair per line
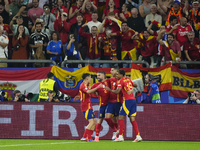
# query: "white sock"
121, 137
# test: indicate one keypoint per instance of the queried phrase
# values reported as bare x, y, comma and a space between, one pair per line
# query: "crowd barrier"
176, 122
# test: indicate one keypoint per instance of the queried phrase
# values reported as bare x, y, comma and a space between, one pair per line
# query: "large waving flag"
183, 82
27, 81
69, 82
164, 72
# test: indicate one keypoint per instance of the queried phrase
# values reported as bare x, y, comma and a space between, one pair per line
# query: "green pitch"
26, 144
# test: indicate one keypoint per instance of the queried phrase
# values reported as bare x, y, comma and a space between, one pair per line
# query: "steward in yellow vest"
47, 85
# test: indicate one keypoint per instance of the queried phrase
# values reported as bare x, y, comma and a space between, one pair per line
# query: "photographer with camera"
193, 98
19, 97
60, 97
3, 97
47, 85
153, 95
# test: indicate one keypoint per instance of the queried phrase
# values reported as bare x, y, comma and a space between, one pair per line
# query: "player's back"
126, 84
85, 97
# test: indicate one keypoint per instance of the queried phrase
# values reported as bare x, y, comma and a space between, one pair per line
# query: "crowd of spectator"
151, 30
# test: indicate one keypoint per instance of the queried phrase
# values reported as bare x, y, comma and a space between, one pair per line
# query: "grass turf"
39, 144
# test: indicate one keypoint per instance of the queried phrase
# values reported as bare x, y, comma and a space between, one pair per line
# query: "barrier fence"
66, 121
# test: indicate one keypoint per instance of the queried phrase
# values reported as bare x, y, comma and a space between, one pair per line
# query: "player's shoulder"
4, 36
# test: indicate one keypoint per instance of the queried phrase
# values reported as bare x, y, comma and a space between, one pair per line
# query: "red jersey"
103, 94
87, 16
63, 9
149, 46
85, 97
73, 19
181, 32
114, 26
168, 28
127, 15
127, 43
126, 84
92, 44
193, 51
113, 86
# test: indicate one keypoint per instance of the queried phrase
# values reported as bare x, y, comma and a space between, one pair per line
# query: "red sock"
98, 129
116, 125
90, 132
85, 133
110, 123
135, 127
121, 127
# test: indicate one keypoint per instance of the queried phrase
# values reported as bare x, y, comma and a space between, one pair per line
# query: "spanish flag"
156, 23
183, 82
164, 71
173, 55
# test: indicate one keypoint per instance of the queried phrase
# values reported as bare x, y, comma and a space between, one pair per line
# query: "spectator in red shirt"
172, 22
191, 49
181, 32
62, 26
148, 46
93, 52
125, 13
74, 10
111, 8
170, 47
61, 8
128, 45
87, 10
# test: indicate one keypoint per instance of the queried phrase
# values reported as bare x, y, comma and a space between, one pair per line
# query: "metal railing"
183, 62
104, 61
26, 61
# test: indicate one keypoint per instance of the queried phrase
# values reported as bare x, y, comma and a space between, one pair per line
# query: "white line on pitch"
39, 144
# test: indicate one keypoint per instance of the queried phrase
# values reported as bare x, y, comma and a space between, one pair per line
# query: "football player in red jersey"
86, 106
103, 96
128, 107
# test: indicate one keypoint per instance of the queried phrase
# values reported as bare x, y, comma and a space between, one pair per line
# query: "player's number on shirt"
129, 85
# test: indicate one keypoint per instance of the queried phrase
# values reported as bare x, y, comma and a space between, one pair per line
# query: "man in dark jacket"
74, 30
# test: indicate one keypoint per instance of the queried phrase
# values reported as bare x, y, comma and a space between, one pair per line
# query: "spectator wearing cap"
87, 10
4, 11
62, 26
48, 18
175, 10
74, 10
13, 9
60, 8
36, 11
19, 20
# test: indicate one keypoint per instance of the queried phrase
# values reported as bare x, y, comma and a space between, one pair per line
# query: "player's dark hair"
172, 17
102, 72
124, 22
85, 75
116, 68
50, 75
150, 77
121, 71
171, 34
